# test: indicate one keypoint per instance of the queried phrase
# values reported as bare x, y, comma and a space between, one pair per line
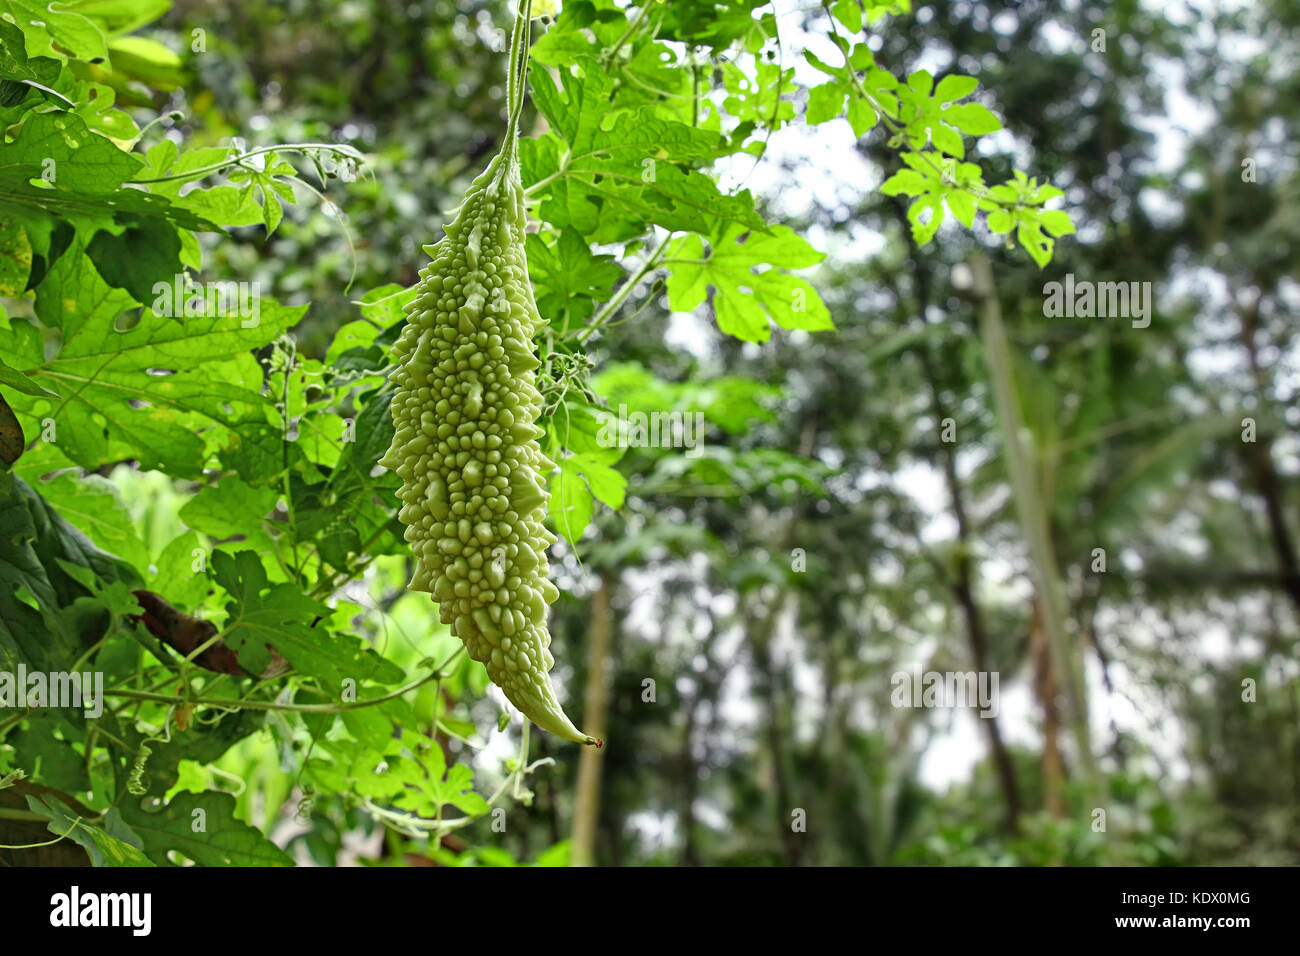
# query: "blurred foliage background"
770, 612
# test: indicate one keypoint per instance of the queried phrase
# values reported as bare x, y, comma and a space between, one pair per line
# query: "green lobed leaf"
147, 392
609, 173
94, 504
121, 847
746, 300
570, 506
55, 29
280, 615
203, 828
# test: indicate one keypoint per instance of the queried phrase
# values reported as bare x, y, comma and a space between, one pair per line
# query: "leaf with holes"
201, 827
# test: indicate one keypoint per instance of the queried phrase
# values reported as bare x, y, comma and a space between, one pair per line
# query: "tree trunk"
587, 809
690, 786
963, 589
760, 633
1034, 523
1047, 690
1259, 461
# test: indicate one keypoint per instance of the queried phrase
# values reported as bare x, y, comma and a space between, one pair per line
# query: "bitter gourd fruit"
464, 409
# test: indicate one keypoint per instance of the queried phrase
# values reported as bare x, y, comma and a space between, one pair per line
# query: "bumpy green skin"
466, 449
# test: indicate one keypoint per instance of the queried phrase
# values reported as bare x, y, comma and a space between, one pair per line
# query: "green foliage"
240, 583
